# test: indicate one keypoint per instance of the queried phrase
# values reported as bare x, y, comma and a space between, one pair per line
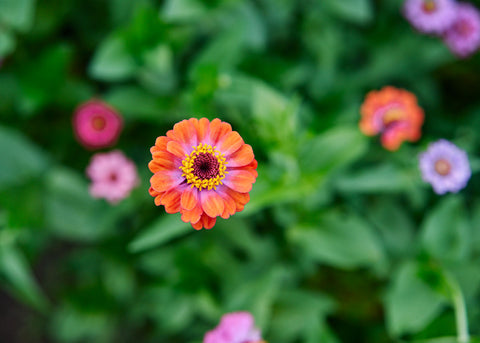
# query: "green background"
341, 241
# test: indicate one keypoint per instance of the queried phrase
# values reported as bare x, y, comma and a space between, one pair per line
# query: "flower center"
443, 167
113, 177
463, 28
98, 122
392, 116
205, 167
429, 6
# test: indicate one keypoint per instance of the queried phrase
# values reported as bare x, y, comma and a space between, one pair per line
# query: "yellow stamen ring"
190, 173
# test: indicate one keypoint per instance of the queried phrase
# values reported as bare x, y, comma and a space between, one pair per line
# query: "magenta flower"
96, 125
463, 37
237, 327
430, 16
113, 176
445, 167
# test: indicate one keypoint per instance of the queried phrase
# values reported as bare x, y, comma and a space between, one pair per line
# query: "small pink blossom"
96, 125
237, 327
113, 176
463, 36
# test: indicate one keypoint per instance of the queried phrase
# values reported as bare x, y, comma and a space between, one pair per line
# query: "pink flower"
463, 37
96, 125
237, 327
113, 176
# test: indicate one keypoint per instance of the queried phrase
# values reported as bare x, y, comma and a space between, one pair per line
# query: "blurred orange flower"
394, 113
203, 170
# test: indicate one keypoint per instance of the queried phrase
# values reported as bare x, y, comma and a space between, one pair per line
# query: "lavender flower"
430, 16
463, 37
445, 167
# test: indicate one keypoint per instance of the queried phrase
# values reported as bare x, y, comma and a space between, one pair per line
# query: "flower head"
463, 36
203, 170
237, 327
113, 176
430, 16
393, 113
445, 167
96, 125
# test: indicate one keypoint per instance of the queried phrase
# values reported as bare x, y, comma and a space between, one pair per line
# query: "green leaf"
42, 79
384, 178
343, 241
15, 269
395, 226
160, 232
183, 10
357, 11
72, 213
410, 302
445, 233
157, 74
136, 103
299, 314
257, 295
18, 14
333, 149
7, 42
70, 324
112, 61
20, 159
231, 43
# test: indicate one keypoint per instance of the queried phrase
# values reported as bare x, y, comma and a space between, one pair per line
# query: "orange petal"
163, 161
192, 216
212, 203
189, 198
239, 180
241, 157
205, 222
185, 132
153, 192
171, 200
230, 143
201, 126
208, 222
161, 142
163, 181
230, 207
176, 148
240, 198
218, 129
198, 225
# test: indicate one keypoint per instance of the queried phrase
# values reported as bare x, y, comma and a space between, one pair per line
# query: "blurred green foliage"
341, 241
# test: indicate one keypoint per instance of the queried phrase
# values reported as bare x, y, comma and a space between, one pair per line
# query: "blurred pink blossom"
96, 125
113, 176
237, 327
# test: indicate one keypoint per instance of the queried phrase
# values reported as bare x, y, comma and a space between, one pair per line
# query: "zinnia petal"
189, 198
212, 203
230, 143
176, 149
241, 157
163, 181
239, 180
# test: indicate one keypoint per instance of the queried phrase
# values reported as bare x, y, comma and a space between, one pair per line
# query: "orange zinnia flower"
203, 170
393, 113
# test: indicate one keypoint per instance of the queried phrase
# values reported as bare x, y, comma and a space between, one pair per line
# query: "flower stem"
460, 310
